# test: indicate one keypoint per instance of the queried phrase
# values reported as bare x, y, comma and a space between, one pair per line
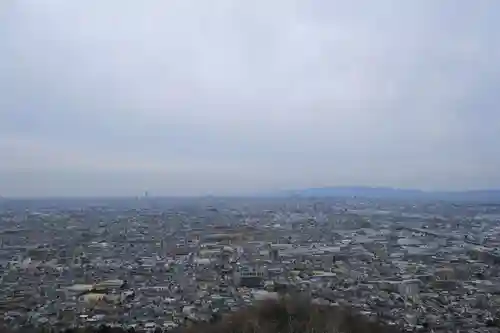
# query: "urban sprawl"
154, 264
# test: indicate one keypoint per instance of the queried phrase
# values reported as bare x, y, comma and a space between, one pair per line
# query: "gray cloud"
188, 97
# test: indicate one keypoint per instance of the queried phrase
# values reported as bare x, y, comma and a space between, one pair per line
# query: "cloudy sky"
194, 97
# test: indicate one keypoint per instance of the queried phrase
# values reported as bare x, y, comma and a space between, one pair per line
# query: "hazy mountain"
395, 193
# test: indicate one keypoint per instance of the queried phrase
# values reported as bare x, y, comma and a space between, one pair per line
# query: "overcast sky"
189, 97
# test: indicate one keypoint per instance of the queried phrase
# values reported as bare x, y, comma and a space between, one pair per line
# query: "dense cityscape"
150, 263
284, 166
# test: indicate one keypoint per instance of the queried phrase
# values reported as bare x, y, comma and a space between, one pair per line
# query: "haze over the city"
188, 97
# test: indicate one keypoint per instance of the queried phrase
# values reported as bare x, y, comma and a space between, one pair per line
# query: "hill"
395, 193
292, 317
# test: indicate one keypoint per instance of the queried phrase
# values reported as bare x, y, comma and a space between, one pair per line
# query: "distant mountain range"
395, 193
483, 196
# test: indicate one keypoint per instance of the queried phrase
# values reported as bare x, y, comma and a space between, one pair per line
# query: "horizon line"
263, 194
